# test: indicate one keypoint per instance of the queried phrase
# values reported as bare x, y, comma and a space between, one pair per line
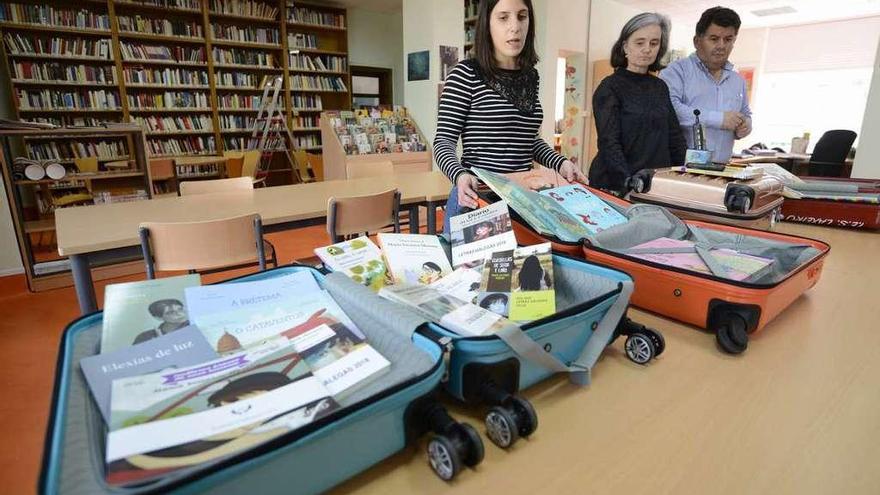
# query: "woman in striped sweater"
491, 103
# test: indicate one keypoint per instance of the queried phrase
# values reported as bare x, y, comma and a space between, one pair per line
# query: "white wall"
376, 40
867, 163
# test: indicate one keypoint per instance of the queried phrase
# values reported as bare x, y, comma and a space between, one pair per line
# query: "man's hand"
571, 173
732, 120
744, 129
467, 190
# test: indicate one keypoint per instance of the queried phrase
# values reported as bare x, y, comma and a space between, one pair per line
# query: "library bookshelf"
190, 72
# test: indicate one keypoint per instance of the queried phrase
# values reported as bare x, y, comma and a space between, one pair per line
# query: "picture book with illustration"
594, 213
477, 234
136, 312
519, 283
458, 316
496, 282
359, 258
737, 266
414, 258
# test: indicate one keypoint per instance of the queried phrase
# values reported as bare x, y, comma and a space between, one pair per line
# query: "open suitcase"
374, 422
591, 313
753, 203
852, 203
731, 310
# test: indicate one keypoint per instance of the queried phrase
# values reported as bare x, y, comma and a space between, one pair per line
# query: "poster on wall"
573, 105
418, 67
748, 73
448, 60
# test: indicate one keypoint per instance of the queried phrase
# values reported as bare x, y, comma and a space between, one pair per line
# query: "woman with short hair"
636, 124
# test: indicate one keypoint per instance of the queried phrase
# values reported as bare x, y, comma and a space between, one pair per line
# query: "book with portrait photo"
476, 234
497, 282
533, 294
414, 258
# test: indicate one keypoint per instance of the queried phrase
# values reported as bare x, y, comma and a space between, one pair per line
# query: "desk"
96, 233
797, 413
796, 163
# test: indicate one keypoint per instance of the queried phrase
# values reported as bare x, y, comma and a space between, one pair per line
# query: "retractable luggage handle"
580, 369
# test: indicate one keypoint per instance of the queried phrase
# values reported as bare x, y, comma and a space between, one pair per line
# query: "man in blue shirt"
706, 81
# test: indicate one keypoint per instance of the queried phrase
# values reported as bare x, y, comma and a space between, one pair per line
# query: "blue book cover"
594, 213
181, 348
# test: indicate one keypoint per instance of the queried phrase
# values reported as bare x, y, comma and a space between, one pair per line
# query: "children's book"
181, 348
519, 283
136, 312
413, 258
496, 282
594, 213
478, 233
463, 283
359, 258
458, 316
738, 266
219, 298
159, 425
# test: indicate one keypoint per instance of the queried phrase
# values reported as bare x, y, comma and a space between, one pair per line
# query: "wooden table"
797, 413
796, 163
91, 234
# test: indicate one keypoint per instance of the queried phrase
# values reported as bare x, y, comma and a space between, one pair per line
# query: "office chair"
830, 153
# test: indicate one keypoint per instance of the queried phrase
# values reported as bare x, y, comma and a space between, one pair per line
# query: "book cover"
478, 233
456, 315
136, 312
533, 295
208, 299
341, 360
738, 266
594, 213
359, 258
463, 284
222, 414
414, 258
496, 283
542, 213
184, 347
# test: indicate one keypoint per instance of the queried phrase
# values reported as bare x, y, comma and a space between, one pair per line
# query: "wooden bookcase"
196, 91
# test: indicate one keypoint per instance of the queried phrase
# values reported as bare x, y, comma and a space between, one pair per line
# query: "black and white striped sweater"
495, 135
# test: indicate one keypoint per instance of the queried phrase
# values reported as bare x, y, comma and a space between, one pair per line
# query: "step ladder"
271, 134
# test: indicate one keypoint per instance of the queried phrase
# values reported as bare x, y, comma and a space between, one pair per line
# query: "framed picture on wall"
448, 60
418, 67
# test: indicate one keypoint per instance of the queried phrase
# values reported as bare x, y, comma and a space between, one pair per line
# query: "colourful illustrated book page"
594, 213
738, 266
533, 294
413, 258
359, 258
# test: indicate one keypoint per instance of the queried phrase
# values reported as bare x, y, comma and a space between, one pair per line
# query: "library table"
93, 234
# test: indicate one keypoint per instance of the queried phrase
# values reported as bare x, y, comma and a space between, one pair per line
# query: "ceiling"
389, 6
805, 11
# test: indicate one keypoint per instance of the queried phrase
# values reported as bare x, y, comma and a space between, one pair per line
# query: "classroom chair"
356, 215
234, 162
250, 167
301, 159
203, 247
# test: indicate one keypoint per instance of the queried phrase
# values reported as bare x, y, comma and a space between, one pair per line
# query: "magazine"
414, 258
177, 349
478, 233
458, 316
738, 266
594, 213
359, 258
154, 433
519, 284
136, 312
463, 283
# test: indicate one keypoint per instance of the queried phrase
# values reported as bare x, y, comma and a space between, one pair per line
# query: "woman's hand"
571, 173
467, 190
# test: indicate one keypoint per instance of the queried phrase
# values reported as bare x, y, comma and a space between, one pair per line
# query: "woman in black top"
636, 124
491, 103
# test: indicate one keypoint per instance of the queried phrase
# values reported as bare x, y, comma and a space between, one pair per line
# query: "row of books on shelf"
242, 79
302, 40
18, 44
153, 25
305, 15
177, 4
331, 63
140, 51
62, 72
244, 57
52, 15
307, 141
209, 170
68, 99
236, 122
71, 121
238, 101
371, 131
125, 196
281, 349
303, 122
169, 99
175, 76
470, 8
325, 83
307, 101
182, 146
235, 143
245, 8
68, 150
247, 34
177, 123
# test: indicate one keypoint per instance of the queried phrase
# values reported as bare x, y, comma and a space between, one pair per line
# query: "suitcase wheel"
640, 347
739, 202
515, 419
444, 457
657, 339
731, 334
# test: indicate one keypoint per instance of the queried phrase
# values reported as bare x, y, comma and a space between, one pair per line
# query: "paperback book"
463, 284
136, 312
594, 213
478, 233
456, 315
738, 266
519, 283
414, 258
359, 258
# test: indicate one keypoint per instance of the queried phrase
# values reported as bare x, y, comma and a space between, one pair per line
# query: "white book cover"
456, 315
359, 258
477, 234
414, 258
206, 300
463, 283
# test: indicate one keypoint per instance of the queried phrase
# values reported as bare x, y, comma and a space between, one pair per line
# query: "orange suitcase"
731, 310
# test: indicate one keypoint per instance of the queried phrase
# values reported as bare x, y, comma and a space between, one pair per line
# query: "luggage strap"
579, 370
